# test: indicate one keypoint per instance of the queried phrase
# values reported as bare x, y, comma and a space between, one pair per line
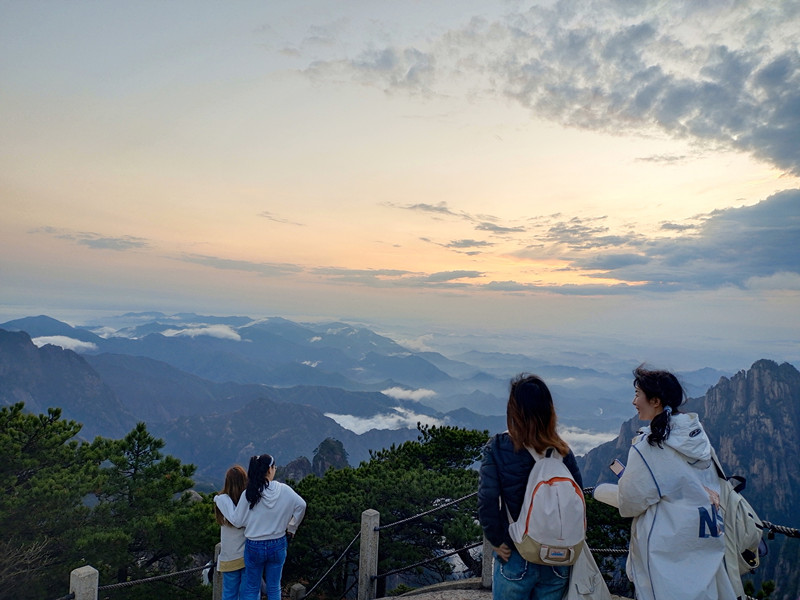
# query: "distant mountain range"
239, 409
280, 353
220, 389
186, 370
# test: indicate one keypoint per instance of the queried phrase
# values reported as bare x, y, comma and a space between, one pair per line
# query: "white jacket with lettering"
677, 546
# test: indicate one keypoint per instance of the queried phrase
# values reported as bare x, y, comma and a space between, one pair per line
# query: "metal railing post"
486, 565
368, 555
83, 583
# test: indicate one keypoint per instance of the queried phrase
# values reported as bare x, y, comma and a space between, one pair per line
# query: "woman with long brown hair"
231, 554
507, 462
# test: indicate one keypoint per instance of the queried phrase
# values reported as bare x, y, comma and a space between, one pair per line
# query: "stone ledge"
464, 589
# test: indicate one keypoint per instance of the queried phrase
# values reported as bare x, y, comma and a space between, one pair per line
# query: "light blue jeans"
264, 557
233, 583
518, 579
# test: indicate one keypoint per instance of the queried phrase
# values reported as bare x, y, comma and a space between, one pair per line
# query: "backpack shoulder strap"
717, 466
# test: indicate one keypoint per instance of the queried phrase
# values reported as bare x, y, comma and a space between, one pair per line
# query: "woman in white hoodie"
670, 488
270, 512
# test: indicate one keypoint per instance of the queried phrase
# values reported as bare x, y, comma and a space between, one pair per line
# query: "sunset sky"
600, 177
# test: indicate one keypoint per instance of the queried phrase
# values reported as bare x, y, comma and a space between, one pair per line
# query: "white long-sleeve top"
231, 551
279, 510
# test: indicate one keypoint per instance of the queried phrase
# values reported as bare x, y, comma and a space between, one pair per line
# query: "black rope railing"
336, 562
124, 584
773, 529
426, 513
425, 562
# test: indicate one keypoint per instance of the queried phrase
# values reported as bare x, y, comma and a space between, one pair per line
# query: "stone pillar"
297, 592
216, 580
83, 583
368, 554
486, 565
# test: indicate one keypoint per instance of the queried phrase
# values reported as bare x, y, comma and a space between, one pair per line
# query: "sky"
592, 178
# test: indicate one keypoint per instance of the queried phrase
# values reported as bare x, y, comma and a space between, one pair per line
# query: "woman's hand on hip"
503, 551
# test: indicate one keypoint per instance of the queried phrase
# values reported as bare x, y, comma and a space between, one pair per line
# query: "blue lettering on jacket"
710, 525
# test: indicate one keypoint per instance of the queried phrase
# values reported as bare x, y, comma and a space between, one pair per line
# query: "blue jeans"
518, 579
264, 557
233, 583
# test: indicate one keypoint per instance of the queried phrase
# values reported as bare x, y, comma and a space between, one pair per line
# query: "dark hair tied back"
257, 477
666, 387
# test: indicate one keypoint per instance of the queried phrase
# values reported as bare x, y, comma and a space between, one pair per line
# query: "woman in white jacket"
670, 488
270, 512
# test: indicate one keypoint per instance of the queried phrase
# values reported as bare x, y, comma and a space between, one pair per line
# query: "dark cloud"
585, 234
261, 268
113, 243
438, 209
498, 229
443, 276
389, 68
668, 226
371, 273
664, 159
609, 262
724, 73
395, 278
271, 217
623, 78
730, 247
96, 241
468, 244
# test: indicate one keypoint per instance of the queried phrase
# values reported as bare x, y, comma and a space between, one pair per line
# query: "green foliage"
118, 505
399, 483
607, 529
44, 474
145, 522
767, 587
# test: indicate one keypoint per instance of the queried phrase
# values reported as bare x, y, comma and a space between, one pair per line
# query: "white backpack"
743, 528
552, 522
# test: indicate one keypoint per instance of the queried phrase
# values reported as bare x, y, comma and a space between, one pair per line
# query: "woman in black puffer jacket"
506, 464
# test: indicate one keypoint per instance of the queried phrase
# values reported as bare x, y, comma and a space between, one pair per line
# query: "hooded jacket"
503, 478
280, 509
677, 546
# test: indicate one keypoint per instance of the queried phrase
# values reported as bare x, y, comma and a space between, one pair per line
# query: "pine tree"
44, 475
399, 482
145, 521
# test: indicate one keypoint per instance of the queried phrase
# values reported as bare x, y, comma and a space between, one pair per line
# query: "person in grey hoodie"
270, 512
670, 488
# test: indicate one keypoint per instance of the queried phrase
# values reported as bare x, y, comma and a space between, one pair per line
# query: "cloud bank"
223, 332
399, 393
581, 441
67, 343
401, 419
